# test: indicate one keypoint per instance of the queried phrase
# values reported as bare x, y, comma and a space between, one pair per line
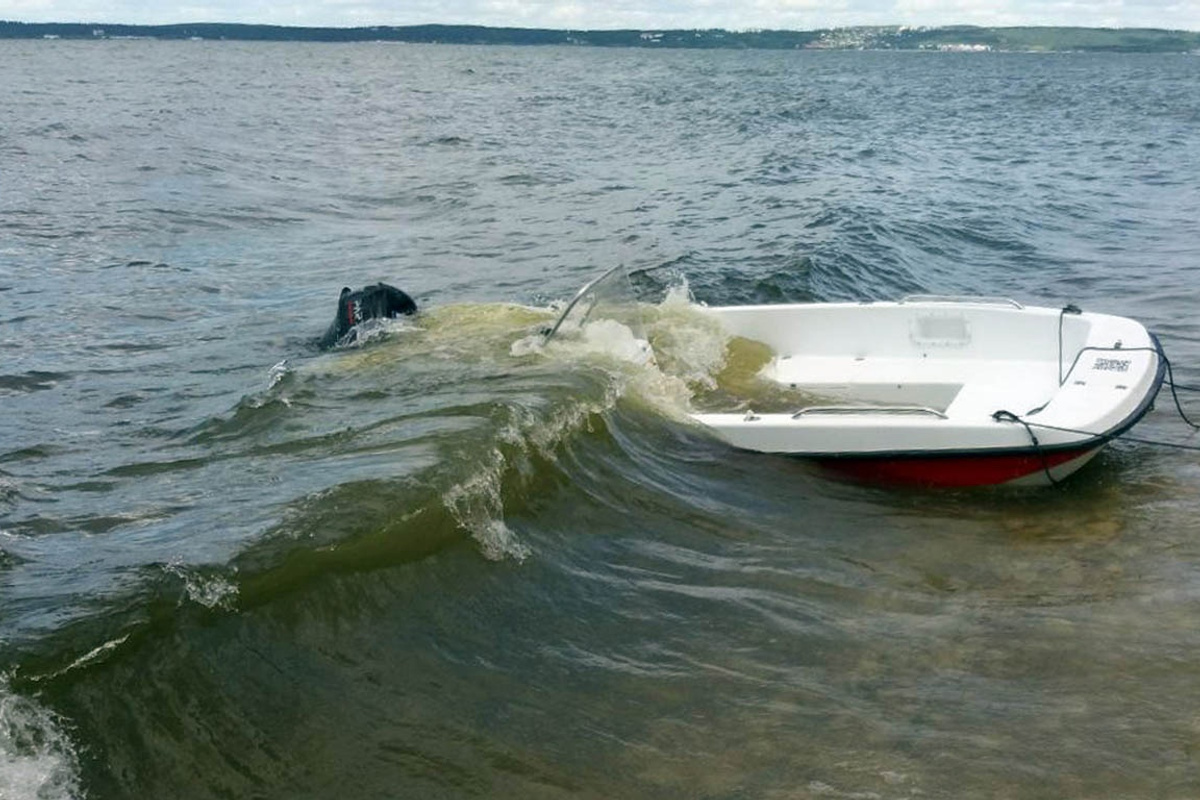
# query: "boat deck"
957, 388
927, 377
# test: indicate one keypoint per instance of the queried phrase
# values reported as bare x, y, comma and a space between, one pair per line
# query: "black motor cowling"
379, 301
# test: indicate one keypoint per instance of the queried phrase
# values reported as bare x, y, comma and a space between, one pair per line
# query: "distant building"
964, 48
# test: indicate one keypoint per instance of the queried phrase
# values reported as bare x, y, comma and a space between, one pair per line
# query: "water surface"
445, 564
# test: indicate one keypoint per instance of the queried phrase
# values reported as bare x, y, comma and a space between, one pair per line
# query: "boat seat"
1017, 394
959, 387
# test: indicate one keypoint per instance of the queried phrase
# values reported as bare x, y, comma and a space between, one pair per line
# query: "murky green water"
449, 564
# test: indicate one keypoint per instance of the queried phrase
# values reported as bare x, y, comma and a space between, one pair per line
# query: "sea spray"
687, 343
478, 507
604, 361
205, 587
37, 759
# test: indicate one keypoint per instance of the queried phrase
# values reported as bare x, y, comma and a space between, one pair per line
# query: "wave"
477, 499
32, 381
434, 434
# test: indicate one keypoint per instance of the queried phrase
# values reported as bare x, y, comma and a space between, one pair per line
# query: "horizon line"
753, 29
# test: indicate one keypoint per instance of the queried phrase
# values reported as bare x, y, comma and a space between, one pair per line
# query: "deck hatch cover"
941, 330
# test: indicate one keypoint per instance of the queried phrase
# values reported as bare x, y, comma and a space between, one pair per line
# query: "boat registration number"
1112, 364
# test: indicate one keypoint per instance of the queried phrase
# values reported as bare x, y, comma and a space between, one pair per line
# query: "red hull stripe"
960, 470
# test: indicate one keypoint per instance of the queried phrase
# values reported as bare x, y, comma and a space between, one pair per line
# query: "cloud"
1181, 14
645, 14
963, 12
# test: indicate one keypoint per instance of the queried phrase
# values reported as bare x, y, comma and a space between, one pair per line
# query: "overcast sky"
731, 14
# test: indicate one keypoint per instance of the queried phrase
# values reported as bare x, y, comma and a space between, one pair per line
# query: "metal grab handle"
869, 409
579, 296
959, 298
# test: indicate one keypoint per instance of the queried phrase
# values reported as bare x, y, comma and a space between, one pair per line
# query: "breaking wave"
37, 758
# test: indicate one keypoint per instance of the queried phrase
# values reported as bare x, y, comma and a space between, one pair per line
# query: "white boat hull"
934, 392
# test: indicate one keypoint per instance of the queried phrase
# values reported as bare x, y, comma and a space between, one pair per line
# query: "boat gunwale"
1092, 440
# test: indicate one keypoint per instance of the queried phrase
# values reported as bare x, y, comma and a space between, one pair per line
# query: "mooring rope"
1008, 416
1029, 425
1175, 393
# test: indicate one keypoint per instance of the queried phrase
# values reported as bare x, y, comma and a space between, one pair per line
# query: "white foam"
96, 654
604, 338
210, 591
611, 338
497, 541
37, 759
372, 330
477, 506
690, 345
686, 349
277, 373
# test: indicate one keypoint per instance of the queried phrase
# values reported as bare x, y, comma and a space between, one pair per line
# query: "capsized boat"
928, 390
944, 391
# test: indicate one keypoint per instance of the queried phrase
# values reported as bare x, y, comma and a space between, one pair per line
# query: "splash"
559, 388
462, 332
37, 760
688, 344
603, 338
374, 330
659, 356
211, 591
277, 373
477, 506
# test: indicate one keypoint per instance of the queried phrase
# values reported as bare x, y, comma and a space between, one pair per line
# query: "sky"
603, 14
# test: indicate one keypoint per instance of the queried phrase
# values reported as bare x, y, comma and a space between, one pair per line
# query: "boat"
931, 390
944, 391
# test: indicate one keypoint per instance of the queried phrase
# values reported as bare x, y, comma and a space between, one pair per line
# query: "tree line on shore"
961, 37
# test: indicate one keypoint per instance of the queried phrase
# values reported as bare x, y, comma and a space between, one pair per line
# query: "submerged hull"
962, 470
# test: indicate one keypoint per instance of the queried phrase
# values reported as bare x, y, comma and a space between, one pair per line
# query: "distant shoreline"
958, 38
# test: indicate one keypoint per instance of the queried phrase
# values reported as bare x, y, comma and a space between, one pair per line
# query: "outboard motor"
371, 302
